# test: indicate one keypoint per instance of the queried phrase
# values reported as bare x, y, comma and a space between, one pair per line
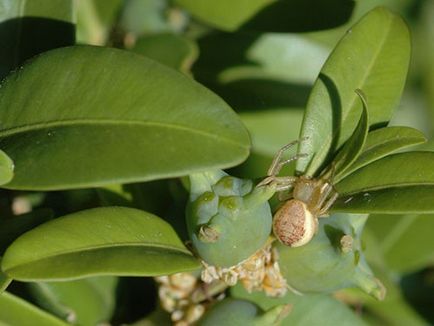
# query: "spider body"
296, 221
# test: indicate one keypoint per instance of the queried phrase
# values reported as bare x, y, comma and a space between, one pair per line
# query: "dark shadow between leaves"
301, 16
259, 94
23, 38
245, 93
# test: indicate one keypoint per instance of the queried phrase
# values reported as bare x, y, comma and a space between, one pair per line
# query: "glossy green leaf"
372, 56
82, 302
30, 27
127, 119
100, 241
306, 309
11, 228
171, 50
354, 145
271, 16
16, 311
399, 200
396, 170
384, 141
6, 168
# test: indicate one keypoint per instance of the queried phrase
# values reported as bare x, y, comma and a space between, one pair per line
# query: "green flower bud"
235, 312
332, 260
227, 219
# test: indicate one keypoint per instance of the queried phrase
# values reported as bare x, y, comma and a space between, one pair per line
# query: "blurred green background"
265, 72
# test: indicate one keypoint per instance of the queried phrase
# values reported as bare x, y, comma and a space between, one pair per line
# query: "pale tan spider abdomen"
293, 224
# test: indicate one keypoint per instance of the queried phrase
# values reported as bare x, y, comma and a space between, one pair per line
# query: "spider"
296, 221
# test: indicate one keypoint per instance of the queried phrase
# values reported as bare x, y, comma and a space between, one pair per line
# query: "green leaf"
271, 16
396, 170
127, 119
400, 200
373, 56
354, 145
4, 280
171, 50
384, 141
100, 241
406, 240
11, 228
306, 310
30, 27
16, 311
82, 302
6, 168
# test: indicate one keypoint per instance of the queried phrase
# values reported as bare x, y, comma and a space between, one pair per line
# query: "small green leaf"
30, 27
16, 311
373, 56
396, 170
271, 16
171, 50
353, 146
78, 126
6, 168
399, 200
11, 228
79, 302
100, 241
384, 141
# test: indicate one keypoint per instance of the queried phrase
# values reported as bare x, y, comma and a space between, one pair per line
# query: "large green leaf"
396, 170
372, 56
98, 115
354, 145
85, 302
6, 168
271, 16
384, 141
16, 311
30, 27
100, 241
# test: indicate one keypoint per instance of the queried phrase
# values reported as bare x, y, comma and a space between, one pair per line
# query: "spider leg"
282, 183
277, 163
329, 203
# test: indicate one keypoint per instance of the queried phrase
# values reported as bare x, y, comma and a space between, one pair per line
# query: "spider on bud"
296, 221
